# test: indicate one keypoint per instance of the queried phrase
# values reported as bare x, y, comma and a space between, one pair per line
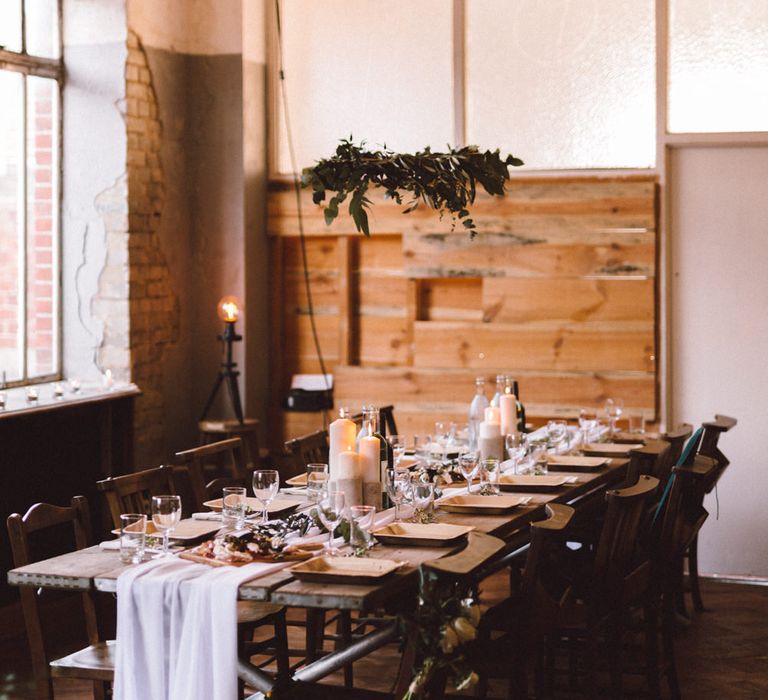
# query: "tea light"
108, 381
2, 400
74, 385
31, 394
58, 391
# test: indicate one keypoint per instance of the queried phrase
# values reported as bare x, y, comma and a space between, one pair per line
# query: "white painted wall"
719, 335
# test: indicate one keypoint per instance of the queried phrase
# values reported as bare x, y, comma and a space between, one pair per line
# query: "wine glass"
398, 488
266, 483
331, 513
362, 519
613, 409
557, 433
423, 493
423, 448
166, 513
469, 466
397, 442
587, 423
517, 448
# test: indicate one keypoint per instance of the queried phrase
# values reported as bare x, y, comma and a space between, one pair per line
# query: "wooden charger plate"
421, 534
484, 505
526, 482
574, 463
348, 570
298, 480
609, 449
187, 530
298, 554
277, 508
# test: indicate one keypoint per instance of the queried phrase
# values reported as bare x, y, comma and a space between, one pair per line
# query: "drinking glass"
423, 493
517, 448
539, 459
398, 488
266, 483
233, 505
469, 465
636, 422
133, 528
397, 442
166, 513
489, 477
423, 448
362, 519
613, 409
317, 481
557, 434
587, 423
331, 512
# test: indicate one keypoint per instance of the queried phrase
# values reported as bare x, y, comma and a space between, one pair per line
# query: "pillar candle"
342, 434
492, 414
370, 459
347, 466
508, 408
491, 441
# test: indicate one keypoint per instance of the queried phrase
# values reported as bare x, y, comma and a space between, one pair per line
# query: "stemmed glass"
331, 512
398, 488
557, 433
423, 495
266, 483
587, 423
362, 518
397, 442
517, 448
422, 445
166, 513
469, 465
613, 409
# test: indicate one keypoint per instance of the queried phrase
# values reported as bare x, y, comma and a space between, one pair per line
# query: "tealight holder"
58, 391
31, 394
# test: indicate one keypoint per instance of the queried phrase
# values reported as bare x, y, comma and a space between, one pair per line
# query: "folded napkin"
110, 545
207, 515
177, 630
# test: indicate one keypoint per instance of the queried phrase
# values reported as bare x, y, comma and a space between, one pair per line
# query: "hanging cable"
297, 192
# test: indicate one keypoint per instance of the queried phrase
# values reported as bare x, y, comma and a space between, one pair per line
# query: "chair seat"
96, 662
249, 611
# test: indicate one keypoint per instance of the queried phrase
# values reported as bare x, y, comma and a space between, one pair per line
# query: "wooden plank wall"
558, 289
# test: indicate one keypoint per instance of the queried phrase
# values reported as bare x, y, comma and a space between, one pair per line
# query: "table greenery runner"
443, 181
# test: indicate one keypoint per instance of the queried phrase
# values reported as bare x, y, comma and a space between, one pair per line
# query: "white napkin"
110, 545
207, 515
177, 630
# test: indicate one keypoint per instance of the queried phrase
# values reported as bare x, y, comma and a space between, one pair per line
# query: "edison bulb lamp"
228, 309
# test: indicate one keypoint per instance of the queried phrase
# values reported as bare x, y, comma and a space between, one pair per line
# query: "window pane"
718, 66
563, 84
42, 28
42, 225
11, 223
381, 71
10, 24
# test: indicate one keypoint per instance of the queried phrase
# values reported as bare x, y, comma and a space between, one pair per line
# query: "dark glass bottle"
373, 425
520, 407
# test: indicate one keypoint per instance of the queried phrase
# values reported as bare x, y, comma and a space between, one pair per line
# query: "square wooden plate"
530, 482
574, 463
421, 534
483, 505
298, 480
278, 507
345, 570
609, 449
186, 530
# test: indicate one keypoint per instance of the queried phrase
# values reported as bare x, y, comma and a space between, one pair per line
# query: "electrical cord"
297, 192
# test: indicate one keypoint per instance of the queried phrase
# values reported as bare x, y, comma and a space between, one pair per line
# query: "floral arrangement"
444, 626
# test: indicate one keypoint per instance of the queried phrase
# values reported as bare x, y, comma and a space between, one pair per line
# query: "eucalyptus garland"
442, 181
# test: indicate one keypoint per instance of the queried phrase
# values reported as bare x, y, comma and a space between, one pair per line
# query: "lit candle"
108, 381
342, 433
492, 414
370, 459
508, 408
490, 441
348, 466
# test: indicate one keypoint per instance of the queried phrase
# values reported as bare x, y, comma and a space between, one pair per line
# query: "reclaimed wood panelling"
558, 288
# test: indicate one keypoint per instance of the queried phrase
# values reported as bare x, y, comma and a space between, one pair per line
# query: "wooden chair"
220, 462
617, 579
93, 663
312, 447
528, 616
248, 430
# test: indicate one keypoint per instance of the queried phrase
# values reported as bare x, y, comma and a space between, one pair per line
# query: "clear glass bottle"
477, 411
501, 388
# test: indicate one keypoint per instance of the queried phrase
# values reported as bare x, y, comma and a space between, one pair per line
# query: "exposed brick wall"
154, 307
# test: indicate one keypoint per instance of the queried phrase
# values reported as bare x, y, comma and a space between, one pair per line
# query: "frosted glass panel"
718, 66
563, 83
380, 71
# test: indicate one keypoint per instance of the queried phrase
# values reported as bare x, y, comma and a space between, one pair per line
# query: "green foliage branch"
443, 181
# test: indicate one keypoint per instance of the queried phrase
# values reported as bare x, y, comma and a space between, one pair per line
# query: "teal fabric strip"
689, 447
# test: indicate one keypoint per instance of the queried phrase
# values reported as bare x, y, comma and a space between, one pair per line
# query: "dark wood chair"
530, 614
93, 663
248, 430
616, 580
222, 463
303, 450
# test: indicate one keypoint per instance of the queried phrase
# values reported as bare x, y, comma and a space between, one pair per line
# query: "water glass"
614, 409
423, 493
636, 423
133, 530
422, 445
266, 483
587, 423
469, 465
361, 521
398, 488
540, 465
330, 510
490, 471
233, 506
517, 448
166, 513
557, 434
317, 481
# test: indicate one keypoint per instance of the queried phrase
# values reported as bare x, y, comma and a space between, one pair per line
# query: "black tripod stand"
227, 373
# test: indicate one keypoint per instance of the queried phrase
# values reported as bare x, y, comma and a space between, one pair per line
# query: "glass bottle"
370, 427
520, 407
501, 388
477, 411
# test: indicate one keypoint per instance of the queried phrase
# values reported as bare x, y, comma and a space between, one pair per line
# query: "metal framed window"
30, 172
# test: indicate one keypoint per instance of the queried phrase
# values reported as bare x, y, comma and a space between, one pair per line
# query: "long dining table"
96, 568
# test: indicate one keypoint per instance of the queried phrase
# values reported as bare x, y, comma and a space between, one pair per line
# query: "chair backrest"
709, 446
676, 439
39, 518
616, 556
651, 459
303, 450
216, 460
132, 493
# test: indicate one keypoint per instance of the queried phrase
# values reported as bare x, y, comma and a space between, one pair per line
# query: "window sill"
17, 404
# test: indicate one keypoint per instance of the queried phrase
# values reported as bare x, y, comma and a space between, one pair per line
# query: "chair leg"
651, 615
668, 645
315, 626
693, 574
590, 664
281, 646
344, 631
615, 656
